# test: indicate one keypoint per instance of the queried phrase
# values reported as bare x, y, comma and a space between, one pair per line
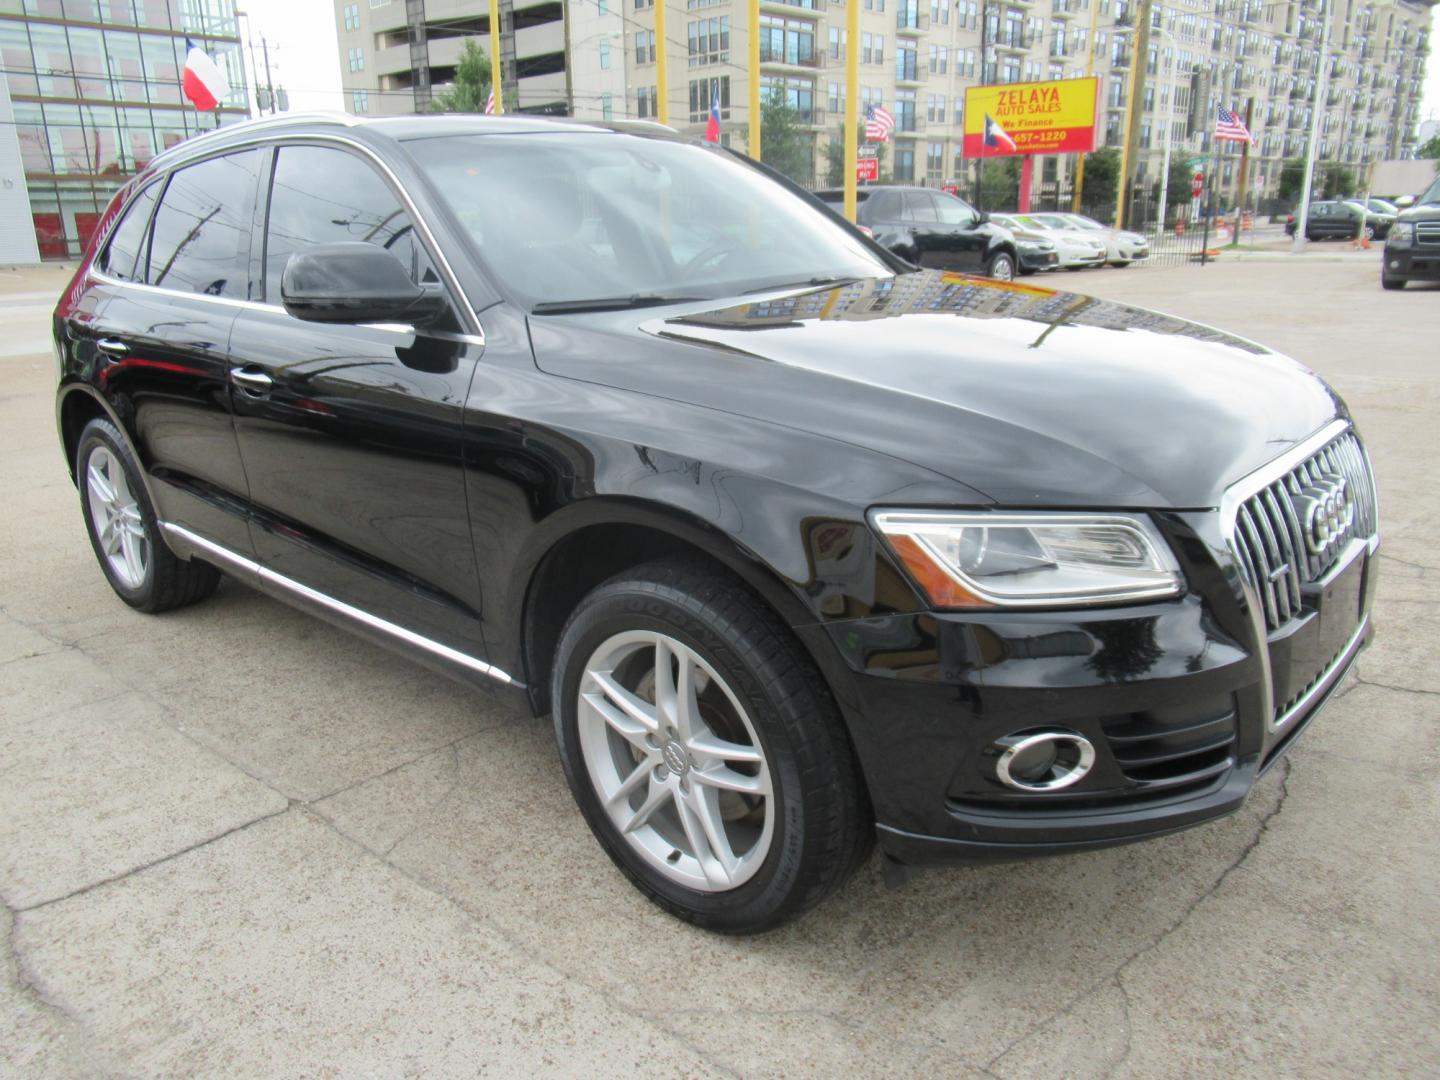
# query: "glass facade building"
95, 89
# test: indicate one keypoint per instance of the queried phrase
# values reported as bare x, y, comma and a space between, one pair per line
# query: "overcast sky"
305, 60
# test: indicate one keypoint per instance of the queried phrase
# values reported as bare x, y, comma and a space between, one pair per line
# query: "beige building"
596, 59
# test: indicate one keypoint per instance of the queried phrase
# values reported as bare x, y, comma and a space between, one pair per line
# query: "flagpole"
852, 104
495, 57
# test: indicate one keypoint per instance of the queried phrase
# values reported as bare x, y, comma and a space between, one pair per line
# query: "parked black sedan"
934, 229
1333, 219
797, 546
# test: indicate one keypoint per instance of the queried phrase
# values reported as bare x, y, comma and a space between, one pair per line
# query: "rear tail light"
866, 230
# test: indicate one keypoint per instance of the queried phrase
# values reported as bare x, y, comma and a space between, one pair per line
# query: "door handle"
113, 346
256, 382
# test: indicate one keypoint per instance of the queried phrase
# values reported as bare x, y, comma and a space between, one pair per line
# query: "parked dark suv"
934, 229
1412, 250
796, 545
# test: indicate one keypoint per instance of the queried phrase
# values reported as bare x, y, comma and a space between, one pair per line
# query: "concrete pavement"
236, 841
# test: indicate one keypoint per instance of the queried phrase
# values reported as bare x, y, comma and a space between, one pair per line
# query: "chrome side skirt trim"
234, 561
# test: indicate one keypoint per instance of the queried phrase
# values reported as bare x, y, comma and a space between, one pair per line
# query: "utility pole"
1089, 72
754, 50
495, 56
269, 85
852, 103
1136, 87
661, 71
1322, 78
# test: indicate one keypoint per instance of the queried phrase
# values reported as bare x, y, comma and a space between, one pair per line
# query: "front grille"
1427, 232
1271, 544
1161, 755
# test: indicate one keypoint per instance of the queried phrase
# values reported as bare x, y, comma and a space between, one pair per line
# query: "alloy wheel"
675, 761
115, 515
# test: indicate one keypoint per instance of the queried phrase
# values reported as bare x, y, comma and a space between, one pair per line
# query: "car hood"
1027, 395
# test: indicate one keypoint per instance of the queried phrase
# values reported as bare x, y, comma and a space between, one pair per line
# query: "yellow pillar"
755, 79
661, 76
852, 102
495, 54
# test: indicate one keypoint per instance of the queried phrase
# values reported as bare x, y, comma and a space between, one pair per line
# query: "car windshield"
1084, 222
1431, 196
1049, 221
570, 217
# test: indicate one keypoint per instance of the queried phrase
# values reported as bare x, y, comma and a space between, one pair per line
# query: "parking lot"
237, 841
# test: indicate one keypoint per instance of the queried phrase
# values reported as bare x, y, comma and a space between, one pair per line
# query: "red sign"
950, 189
1197, 184
867, 168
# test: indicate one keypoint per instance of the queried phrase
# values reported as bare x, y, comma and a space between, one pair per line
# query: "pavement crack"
1422, 567
1160, 938
435, 804
112, 879
1362, 681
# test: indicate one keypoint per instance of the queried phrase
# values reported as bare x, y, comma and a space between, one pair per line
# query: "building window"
904, 164
709, 41
798, 93
357, 58
607, 107
352, 16
645, 47
647, 103
602, 7
604, 56
837, 43
644, 4
907, 65
935, 161
700, 91
786, 41
360, 101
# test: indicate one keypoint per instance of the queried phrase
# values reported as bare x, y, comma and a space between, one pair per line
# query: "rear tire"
124, 531
726, 790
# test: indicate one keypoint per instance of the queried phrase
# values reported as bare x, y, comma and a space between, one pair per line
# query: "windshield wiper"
610, 303
816, 281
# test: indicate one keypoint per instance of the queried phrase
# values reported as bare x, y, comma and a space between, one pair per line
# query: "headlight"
984, 560
1401, 230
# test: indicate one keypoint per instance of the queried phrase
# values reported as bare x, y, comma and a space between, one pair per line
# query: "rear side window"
118, 258
320, 195
919, 206
200, 241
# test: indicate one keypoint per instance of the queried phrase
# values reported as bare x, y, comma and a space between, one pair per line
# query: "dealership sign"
1055, 117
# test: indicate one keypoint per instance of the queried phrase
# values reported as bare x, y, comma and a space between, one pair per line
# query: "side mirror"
355, 283
1405, 201
981, 217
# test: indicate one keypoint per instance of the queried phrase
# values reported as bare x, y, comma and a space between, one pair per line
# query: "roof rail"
263, 123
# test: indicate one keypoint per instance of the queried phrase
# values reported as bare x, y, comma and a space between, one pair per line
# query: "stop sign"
1197, 184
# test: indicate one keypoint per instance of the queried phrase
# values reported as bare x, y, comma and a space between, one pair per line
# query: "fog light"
1042, 760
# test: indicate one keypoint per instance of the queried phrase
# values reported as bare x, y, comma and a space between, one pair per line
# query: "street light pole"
1322, 77
1133, 104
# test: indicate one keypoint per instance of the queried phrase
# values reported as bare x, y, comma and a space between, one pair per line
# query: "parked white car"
1122, 247
1077, 248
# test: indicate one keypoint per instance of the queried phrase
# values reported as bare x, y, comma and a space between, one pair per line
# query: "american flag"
490, 102
879, 122
1230, 128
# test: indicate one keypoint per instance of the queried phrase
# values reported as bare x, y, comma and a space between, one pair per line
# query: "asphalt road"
235, 841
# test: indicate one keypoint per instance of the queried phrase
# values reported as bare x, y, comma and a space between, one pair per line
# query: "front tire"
704, 750
1001, 267
1387, 282
124, 531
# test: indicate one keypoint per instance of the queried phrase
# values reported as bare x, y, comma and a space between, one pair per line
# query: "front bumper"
1186, 702
1413, 262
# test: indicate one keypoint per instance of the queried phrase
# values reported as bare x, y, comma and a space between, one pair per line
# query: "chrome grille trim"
1265, 528
1427, 232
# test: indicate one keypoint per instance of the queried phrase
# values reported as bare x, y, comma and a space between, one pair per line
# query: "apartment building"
596, 59
94, 94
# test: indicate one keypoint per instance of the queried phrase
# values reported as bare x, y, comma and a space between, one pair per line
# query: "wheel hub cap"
675, 758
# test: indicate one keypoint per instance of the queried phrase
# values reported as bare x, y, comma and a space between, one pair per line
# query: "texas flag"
204, 84
712, 127
995, 135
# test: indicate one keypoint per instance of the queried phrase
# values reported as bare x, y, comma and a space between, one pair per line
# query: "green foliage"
1292, 178
785, 145
1430, 148
835, 154
472, 83
1000, 184
1339, 182
1102, 173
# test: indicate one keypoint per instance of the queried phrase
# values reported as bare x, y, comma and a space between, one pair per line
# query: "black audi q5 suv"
799, 547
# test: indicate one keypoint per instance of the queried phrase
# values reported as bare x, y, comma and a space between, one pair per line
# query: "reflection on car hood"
1029, 395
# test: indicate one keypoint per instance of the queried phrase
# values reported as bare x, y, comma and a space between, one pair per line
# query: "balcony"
911, 21
1013, 40
909, 127
774, 58
794, 7
911, 74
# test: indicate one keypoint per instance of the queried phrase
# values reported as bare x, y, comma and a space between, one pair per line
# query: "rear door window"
120, 253
919, 206
321, 195
200, 239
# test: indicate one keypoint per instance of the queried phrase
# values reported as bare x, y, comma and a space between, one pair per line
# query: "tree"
1292, 178
1177, 191
1000, 183
1102, 174
472, 83
1430, 148
784, 144
835, 154
1339, 182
